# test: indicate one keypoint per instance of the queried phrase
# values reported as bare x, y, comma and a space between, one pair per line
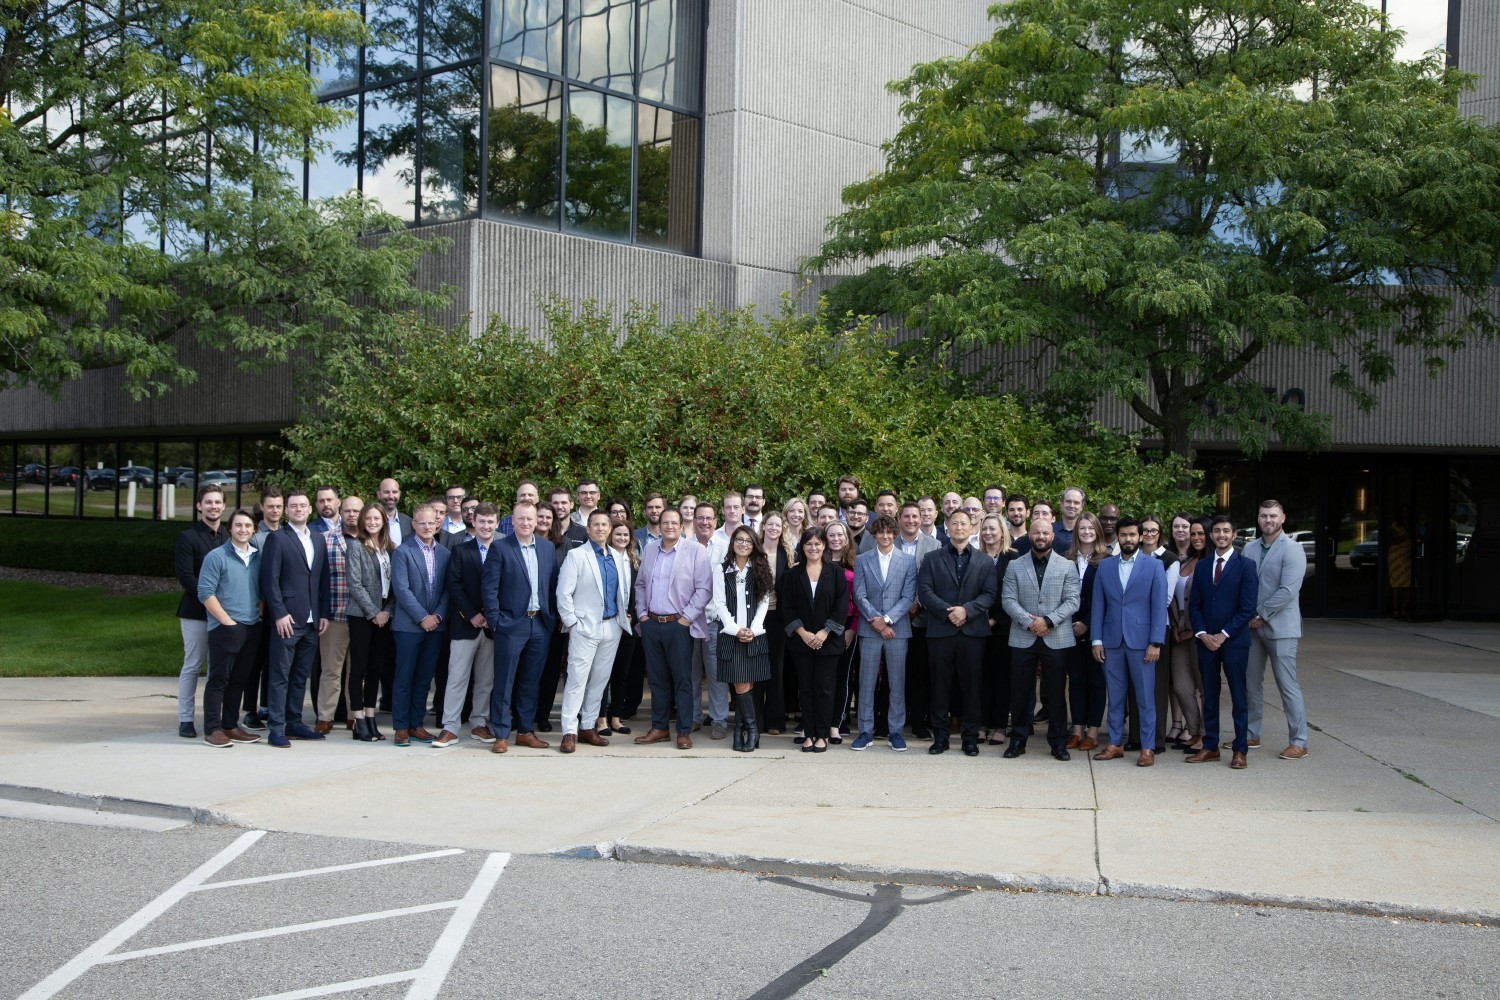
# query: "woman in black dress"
814, 601
741, 596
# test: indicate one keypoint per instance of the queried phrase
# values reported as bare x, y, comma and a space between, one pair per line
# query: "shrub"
138, 547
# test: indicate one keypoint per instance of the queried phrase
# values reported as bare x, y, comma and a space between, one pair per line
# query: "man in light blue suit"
885, 588
419, 578
1280, 565
1129, 625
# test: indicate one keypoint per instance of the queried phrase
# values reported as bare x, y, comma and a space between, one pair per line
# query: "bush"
137, 547
699, 405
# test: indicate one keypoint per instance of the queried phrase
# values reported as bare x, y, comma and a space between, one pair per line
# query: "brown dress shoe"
530, 740
1293, 752
1088, 743
421, 733
1229, 744
1072, 743
1237, 761
482, 733
1146, 759
322, 727
684, 741
218, 739
1110, 752
1202, 756
654, 736
239, 735
592, 738
499, 746
569, 743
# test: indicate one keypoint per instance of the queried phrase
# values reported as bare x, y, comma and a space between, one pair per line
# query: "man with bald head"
1040, 595
398, 523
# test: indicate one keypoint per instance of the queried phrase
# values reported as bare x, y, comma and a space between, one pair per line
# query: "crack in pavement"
1408, 775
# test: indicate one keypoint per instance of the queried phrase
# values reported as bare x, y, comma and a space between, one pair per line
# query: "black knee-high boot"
749, 724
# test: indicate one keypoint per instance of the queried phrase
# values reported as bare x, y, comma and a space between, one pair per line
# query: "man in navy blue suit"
291, 566
520, 578
1129, 626
1221, 606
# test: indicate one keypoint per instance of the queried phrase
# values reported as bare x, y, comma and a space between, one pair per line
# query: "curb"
112, 804
1009, 882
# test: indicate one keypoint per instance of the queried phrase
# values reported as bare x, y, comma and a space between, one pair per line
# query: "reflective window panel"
335, 167
394, 54
528, 33
598, 165
450, 145
601, 43
337, 71
672, 51
390, 145
451, 32
524, 147
667, 180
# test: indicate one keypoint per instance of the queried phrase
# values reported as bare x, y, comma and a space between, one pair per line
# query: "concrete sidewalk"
1395, 811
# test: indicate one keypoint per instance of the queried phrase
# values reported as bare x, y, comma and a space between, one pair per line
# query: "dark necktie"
1218, 570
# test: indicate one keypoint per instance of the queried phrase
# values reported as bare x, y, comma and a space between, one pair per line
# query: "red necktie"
1218, 570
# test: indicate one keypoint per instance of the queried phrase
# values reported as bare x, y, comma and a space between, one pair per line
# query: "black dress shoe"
921, 734
937, 748
971, 749
1061, 753
1133, 745
1016, 749
543, 726
1041, 716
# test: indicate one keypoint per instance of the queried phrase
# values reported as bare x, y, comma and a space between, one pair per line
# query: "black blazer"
465, 587
939, 588
286, 584
827, 609
1085, 604
193, 546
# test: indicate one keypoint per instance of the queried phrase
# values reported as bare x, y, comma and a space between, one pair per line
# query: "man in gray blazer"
1040, 596
917, 543
593, 601
1280, 565
885, 588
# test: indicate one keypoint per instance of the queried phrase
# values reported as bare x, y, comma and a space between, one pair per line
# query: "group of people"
829, 617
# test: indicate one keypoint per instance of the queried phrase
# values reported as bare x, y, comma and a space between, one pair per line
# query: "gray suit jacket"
1280, 569
894, 596
1056, 600
925, 543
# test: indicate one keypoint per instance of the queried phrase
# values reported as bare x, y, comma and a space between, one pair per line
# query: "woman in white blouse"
741, 595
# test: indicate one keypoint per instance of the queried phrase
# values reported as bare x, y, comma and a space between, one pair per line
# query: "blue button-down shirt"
1127, 563
611, 580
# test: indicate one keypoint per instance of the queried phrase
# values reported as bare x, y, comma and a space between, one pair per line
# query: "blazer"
451, 540
580, 591
1228, 606
415, 600
1134, 616
362, 570
1182, 619
642, 537
1085, 599
939, 588
507, 588
465, 585
407, 531
287, 585
1279, 571
925, 543
192, 547
828, 608
892, 597
689, 590
1056, 600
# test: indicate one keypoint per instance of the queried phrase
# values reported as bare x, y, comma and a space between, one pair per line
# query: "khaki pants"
333, 648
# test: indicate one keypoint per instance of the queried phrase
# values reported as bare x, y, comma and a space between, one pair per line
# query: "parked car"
222, 478
138, 474
1308, 542
65, 476
102, 479
172, 473
35, 473
1367, 552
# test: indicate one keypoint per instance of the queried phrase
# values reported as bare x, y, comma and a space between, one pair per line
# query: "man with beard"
1128, 622
1039, 596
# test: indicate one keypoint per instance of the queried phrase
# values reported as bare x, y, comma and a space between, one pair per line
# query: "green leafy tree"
145, 196
1162, 191
702, 404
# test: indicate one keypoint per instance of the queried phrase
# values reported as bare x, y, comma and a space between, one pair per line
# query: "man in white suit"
1280, 565
593, 602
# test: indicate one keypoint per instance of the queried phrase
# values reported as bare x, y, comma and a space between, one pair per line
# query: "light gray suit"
890, 598
1056, 600
592, 638
1280, 569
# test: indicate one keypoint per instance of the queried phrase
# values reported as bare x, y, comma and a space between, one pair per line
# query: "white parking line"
430, 977
347, 986
308, 872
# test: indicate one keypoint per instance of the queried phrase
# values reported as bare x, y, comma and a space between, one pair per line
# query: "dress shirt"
453, 527
1127, 563
610, 578
885, 562
753, 619
484, 551
1083, 565
429, 556
1040, 565
960, 562
661, 582
393, 525
304, 535
528, 556
244, 553
384, 559
910, 548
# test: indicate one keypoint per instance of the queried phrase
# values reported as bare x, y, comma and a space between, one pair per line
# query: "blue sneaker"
278, 740
897, 742
298, 731
862, 741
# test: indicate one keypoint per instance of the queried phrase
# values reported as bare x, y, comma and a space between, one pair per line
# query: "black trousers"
842, 688
231, 657
260, 677
918, 683
371, 651
815, 674
955, 663
994, 681
1023, 664
1086, 688
619, 675
770, 697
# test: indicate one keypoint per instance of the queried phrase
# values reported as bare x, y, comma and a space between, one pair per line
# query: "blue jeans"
291, 663
520, 654
416, 661
1232, 659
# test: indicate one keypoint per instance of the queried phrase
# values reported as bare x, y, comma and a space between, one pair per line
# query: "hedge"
140, 548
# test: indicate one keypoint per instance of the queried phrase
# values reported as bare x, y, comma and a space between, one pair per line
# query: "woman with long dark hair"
771, 697
742, 588
814, 601
1187, 682
372, 602
1086, 689
841, 553
621, 537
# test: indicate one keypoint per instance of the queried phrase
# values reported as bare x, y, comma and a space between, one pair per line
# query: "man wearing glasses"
588, 500
453, 499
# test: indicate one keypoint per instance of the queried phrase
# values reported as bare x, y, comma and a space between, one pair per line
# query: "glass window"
450, 145
334, 169
598, 164
524, 146
337, 71
451, 32
601, 43
667, 180
394, 54
672, 51
528, 33
390, 142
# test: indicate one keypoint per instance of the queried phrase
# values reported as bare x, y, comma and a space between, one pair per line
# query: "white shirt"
719, 608
304, 535
244, 553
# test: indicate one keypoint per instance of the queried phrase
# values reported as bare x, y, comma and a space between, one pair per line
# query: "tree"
146, 154
1162, 191
702, 404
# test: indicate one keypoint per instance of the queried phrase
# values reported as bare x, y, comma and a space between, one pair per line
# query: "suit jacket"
1279, 570
415, 600
1056, 600
580, 591
939, 588
642, 536
1228, 606
893, 596
691, 586
465, 586
287, 585
362, 569
507, 588
451, 540
925, 543
828, 608
1134, 616
406, 529
193, 546
1085, 612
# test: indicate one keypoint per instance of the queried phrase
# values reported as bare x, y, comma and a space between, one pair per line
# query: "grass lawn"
65, 632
